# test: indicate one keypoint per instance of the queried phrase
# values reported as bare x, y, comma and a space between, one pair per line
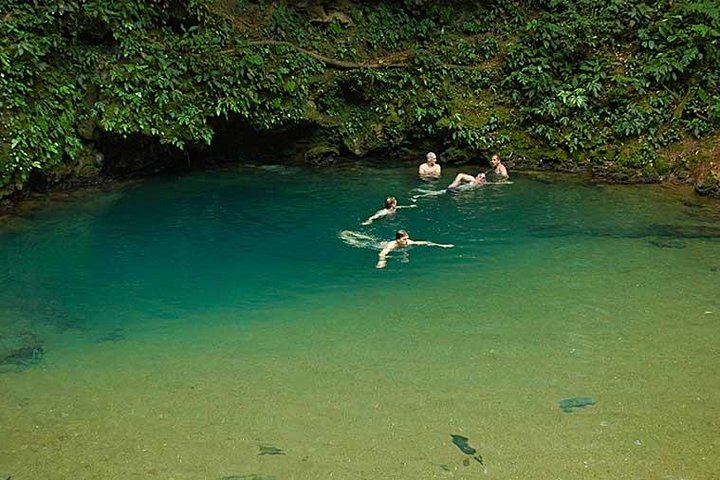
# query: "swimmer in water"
463, 179
498, 168
390, 207
430, 169
402, 240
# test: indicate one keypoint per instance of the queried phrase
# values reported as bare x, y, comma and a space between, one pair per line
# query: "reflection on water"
218, 326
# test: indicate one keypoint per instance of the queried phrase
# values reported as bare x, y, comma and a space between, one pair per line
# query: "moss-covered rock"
321, 155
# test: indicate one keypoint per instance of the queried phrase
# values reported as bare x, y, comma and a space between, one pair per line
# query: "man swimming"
390, 207
462, 181
402, 240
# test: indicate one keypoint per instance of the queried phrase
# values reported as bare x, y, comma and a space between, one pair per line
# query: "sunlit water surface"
214, 326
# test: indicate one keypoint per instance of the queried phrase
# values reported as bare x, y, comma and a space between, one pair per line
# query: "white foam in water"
360, 240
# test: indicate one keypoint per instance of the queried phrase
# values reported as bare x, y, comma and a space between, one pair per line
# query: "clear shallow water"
189, 322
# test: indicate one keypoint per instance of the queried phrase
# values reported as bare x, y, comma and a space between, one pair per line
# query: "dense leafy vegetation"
606, 84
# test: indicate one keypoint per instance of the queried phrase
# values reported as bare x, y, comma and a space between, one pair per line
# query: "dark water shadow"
20, 351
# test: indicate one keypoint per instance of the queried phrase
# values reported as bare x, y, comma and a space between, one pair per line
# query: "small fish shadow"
116, 335
664, 243
270, 450
252, 476
462, 443
569, 405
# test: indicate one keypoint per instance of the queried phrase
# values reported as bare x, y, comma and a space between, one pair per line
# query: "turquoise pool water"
215, 326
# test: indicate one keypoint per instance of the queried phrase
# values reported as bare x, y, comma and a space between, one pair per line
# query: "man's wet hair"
400, 234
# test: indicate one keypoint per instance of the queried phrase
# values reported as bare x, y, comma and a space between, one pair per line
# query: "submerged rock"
20, 351
569, 405
667, 243
24, 357
116, 335
252, 476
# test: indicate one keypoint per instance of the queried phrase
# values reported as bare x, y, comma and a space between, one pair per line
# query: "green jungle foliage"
567, 81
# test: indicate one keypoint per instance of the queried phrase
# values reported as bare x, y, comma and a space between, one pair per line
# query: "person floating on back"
402, 240
430, 169
390, 207
465, 180
462, 181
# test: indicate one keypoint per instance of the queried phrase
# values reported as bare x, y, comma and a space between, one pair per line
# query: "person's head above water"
480, 178
390, 203
430, 168
499, 168
402, 237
